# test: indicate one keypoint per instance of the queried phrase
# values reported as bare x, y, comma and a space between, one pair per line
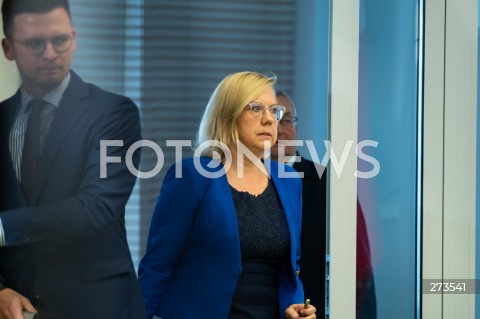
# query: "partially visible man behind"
314, 194
313, 236
63, 247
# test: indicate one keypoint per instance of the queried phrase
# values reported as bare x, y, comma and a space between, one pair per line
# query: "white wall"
9, 79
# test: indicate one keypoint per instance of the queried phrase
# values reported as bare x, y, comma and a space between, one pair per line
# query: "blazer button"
297, 273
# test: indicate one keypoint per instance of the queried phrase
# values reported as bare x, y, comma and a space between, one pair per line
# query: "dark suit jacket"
312, 261
313, 247
193, 257
69, 247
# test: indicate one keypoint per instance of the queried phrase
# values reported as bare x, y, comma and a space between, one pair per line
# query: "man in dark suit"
63, 247
313, 237
314, 194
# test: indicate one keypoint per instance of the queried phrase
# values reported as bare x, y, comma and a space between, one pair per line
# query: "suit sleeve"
93, 203
172, 222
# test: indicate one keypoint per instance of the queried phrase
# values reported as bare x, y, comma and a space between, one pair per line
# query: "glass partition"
387, 115
477, 245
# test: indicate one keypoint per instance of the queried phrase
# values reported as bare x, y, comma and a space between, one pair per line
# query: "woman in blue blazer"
225, 234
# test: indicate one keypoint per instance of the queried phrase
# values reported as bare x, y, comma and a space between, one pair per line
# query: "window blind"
189, 46
168, 56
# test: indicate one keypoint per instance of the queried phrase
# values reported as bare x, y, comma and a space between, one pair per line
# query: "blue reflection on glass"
388, 71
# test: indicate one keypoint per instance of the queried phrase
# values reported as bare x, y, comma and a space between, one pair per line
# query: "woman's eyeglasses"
259, 110
288, 121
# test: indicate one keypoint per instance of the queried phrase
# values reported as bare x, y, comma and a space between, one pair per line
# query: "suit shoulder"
12, 100
200, 167
198, 175
7, 101
310, 168
99, 93
100, 96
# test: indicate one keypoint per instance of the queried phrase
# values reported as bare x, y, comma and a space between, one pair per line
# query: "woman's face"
256, 130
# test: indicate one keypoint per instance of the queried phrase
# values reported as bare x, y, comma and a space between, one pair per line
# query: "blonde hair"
219, 121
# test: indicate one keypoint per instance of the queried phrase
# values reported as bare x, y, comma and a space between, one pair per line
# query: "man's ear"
7, 49
74, 39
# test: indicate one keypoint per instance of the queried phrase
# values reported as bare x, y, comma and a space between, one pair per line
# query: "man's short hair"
12, 8
280, 92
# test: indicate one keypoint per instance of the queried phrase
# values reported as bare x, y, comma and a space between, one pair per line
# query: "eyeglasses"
36, 46
288, 121
259, 110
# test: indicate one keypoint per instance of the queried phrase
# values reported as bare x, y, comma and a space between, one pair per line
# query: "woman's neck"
247, 174
248, 165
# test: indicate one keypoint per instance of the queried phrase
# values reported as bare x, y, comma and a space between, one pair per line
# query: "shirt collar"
291, 160
52, 98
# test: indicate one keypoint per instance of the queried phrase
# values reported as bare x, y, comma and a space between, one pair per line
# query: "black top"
264, 243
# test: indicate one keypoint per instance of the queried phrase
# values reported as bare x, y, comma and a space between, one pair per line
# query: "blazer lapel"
71, 108
288, 206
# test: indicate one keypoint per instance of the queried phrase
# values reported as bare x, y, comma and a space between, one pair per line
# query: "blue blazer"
193, 258
69, 245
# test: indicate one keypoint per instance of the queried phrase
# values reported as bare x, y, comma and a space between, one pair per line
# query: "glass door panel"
387, 115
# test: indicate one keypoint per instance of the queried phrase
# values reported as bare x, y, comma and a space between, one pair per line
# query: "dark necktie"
31, 147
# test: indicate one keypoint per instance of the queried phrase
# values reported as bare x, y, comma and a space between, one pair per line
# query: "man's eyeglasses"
288, 121
36, 46
259, 110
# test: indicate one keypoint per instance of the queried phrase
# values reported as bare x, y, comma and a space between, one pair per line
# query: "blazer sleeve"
93, 203
171, 224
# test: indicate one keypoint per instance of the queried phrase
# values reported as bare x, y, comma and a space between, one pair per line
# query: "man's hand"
12, 304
